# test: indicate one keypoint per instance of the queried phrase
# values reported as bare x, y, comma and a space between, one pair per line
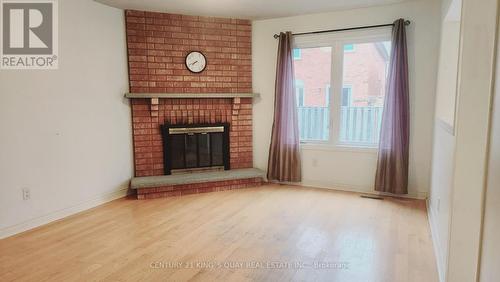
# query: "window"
312, 77
297, 54
361, 114
341, 92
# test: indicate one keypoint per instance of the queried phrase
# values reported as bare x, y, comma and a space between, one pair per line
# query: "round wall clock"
196, 61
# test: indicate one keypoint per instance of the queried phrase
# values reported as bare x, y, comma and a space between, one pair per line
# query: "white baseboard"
435, 243
358, 189
53, 216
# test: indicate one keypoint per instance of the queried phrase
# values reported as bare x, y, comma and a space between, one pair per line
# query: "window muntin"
344, 95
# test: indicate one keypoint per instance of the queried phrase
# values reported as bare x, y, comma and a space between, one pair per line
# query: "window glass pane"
362, 99
296, 54
346, 95
348, 47
312, 84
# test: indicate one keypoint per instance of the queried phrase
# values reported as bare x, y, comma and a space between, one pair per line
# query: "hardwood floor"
239, 235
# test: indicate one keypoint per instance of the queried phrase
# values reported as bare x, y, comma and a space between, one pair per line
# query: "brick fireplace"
157, 46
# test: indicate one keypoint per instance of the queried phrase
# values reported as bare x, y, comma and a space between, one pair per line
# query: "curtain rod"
407, 22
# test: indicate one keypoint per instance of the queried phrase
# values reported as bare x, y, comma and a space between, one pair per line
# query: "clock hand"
193, 63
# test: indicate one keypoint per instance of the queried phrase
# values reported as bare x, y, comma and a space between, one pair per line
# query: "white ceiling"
245, 9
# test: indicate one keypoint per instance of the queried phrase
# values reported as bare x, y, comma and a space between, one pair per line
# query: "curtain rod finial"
276, 36
407, 22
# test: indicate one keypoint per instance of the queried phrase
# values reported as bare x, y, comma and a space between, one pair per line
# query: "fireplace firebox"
188, 147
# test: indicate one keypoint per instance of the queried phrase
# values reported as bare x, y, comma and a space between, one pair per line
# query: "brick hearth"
157, 46
186, 189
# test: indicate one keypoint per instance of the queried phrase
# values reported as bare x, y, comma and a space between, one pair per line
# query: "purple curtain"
392, 166
284, 152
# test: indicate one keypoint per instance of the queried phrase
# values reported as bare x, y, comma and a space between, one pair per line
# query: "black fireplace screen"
195, 146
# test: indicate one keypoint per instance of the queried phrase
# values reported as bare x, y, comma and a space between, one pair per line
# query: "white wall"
444, 139
439, 207
460, 161
447, 74
472, 121
345, 169
65, 134
490, 256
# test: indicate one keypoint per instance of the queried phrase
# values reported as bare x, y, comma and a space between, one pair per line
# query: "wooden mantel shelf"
155, 98
190, 95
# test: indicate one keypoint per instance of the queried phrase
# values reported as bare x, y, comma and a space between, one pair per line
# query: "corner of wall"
60, 214
438, 250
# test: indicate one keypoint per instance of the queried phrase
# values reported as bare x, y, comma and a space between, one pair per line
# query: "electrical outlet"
26, 194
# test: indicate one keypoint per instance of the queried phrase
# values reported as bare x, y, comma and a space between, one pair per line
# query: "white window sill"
311, 146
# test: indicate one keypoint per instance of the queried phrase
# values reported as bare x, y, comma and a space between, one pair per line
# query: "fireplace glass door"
188, 147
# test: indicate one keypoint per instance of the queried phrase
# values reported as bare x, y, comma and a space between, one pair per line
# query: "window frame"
328, 91
337, 41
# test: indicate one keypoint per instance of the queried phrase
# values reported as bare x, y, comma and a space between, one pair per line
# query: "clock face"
196, 62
